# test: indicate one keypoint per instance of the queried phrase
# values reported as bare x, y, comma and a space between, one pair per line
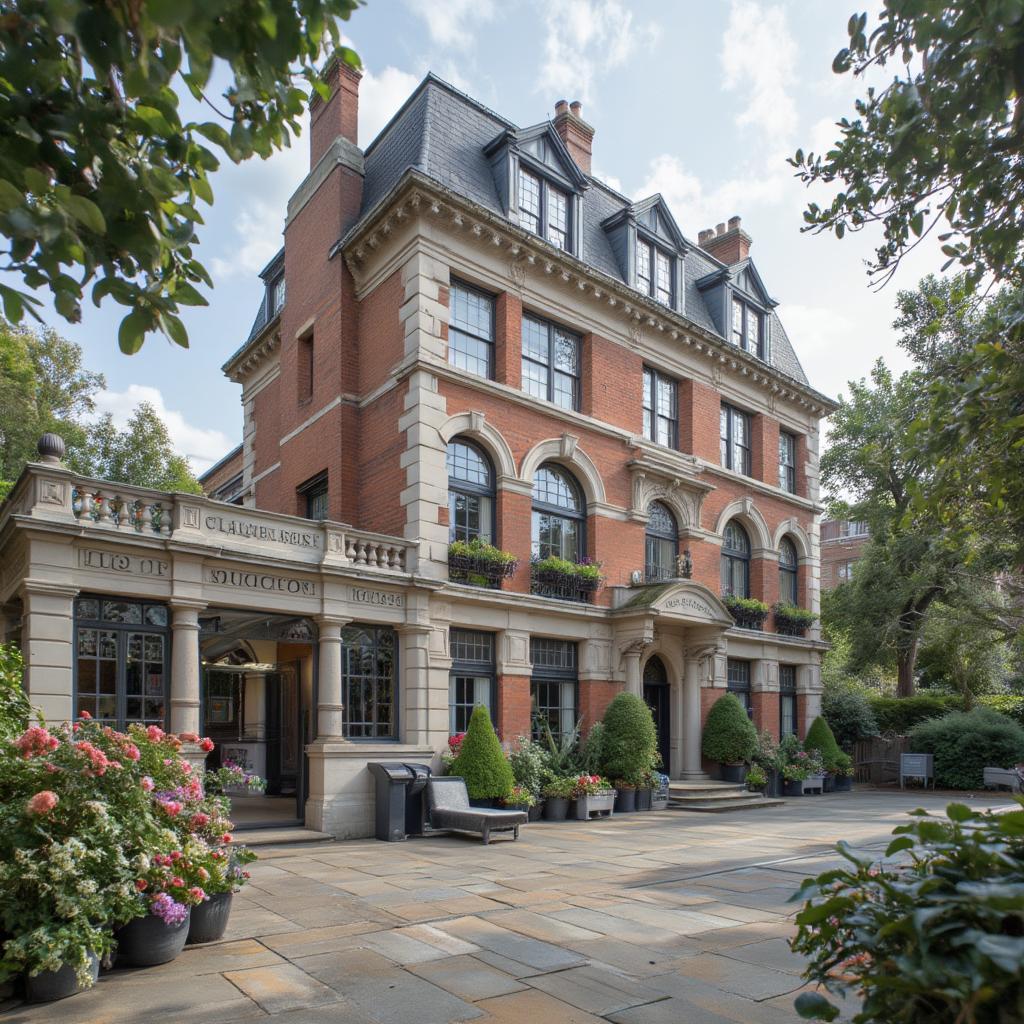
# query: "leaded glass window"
529, 201
735, 561
470, 492
663, 278
471, 330
558, 515
551, 357
735, 439
369, 682
788, 572
643, 266
544, 209
661, 543
747, 328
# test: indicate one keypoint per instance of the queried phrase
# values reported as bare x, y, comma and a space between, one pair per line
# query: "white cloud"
202, 447
453, 22
585, 37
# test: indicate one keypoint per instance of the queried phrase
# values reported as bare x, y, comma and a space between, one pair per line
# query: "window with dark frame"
747, 328
661, 408
277, 296
306, 366
787, 701
470, 492
369, 682
789, 568
734, 430
471, 329
553, 686
121, 661
661, 543
559, 515
787, 462
738, 682
654, 271
544, 209
735, 561
551, 362
313, 494
471, 681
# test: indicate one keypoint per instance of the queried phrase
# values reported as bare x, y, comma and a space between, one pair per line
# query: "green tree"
481, 761
629, 740
729, 735
940, 147
101, 177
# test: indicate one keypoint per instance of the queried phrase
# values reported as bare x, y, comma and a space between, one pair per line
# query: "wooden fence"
877, 760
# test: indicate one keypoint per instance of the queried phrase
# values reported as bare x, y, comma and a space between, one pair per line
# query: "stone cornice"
416, 195
254, 353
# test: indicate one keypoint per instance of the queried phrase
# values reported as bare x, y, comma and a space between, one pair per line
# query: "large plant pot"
535, 812
814, 784
595, 805
733, 772
625, 800
792, 788
843, 783
147, 941
48, 986
479, 801
828, 783
209, 921
556, 808
643, 799
774, 787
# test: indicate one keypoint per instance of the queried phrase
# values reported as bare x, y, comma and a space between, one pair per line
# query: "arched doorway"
657, 696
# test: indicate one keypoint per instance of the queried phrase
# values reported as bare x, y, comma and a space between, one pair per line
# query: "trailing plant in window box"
748, 612
558, 577
791, 620
933, 939
477, 562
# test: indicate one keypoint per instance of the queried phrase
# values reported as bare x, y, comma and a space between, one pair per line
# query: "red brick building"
842, 544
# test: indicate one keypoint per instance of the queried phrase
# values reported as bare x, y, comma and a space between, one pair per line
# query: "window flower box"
791, 620
479, 564
747, 612
565, 580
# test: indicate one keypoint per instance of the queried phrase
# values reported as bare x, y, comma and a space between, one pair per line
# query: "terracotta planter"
556, 808
625, 800
49, 986
147, 941
209, 921
643, 799
595, 804
733, 772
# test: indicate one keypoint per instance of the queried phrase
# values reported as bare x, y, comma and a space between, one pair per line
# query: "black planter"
792, 788
209, 921
643, 799
828, 784
733, 772
625, 800
573, 812
536, 811
774, 787
48, 986
147, 941
556, 808
843, 783
481, 802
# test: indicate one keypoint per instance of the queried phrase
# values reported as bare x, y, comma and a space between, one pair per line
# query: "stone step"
693, 790
740, 802
287, 836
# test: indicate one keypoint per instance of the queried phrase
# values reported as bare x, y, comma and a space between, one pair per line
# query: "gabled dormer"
740, 306
650, 249
540, 185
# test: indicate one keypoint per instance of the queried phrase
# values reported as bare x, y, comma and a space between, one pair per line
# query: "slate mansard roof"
442, 134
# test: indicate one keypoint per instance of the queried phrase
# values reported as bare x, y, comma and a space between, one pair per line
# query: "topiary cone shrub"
965, 743
729, 735
820, 738
481, 761
629, 739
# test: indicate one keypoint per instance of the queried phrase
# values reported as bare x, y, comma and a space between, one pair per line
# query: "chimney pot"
705, 235
338, 114
577, 135
730, 246
562, 107
720, 228
734, 223
577, 108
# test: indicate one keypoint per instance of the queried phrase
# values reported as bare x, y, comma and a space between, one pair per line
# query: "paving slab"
595, 989
751, 981
531, 952
284, 987
533, 1007
468, 977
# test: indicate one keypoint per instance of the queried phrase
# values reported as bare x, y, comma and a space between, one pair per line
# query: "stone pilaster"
47, 640
330, 702
185, 667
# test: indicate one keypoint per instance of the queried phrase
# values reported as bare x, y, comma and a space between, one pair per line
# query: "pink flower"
42, 803
171, 807
206, 744
197, 894
203, 874
186, 768
35, 741
132, 752
175, 856
141, 884
226, 838
147, 784
155, 733
200, 820
97, 759
177, 882
84, 714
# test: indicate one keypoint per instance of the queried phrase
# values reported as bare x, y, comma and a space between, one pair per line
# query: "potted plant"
629, 743
729, 738
815, 781
222, 874
645, 791
558, 577
842, 769
588, 576
520, 799
766, 756
794, 766
757, 779
557, 794
593, 796
747, 612
529, 768
482, 762
479, 563
659, 798
791, 620
821, 741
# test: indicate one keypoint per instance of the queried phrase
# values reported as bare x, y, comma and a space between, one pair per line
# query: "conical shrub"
629, 739
729, 735
481, 761
821, 738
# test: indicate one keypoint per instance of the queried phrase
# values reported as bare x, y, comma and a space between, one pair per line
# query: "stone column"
691, 766
48, 644
185, 667
631, 655
329, 705
415, 685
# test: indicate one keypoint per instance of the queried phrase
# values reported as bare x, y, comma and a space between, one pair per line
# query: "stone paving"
640, 919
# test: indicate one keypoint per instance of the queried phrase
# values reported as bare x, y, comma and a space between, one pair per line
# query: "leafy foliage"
592, 750
102, 175
481, 761
529, 763
937, 938
729, 735
819, 738
848, 711
965, 743
1009, 704
630, 739
896, 716
15, 709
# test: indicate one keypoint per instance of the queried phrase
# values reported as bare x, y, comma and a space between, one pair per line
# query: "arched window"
470, 492
661, 544
558, 515
735, 561
787, 571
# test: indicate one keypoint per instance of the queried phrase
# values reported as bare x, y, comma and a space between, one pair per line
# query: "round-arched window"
735, 560
788, 569
558, 514
470, 492
661, 543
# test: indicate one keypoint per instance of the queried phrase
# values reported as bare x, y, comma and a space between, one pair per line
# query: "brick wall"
513, 707
595, 696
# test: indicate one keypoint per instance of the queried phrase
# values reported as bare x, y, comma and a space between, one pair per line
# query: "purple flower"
168, 910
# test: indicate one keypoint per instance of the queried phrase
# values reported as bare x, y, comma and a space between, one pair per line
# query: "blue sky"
699, 100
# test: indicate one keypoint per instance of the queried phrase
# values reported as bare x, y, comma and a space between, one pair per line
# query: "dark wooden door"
656, 695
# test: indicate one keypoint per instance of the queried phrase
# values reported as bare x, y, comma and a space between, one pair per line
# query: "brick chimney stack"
729, 244
577, 135
339, 115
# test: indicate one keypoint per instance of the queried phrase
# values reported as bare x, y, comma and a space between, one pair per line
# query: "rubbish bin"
415, 800
389, 816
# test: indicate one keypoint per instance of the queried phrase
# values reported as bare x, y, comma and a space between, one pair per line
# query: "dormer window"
747, 332
543, 209
654, 271
277, 296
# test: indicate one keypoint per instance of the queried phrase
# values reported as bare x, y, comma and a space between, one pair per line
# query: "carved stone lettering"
691, 604
262, 581
377, 598
119, 562
264, 533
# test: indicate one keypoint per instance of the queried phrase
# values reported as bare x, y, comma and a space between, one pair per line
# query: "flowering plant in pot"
557, 793
842, 769
231, 778
479, 563
757, 779
747, 612
529, 764
519, 799
593, 795
451, 752
795, 766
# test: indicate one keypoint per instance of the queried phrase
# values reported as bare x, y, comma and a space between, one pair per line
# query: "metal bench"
998, 778
448, 807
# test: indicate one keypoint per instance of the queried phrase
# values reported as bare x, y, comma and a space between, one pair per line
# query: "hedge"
729, 735
1009, 704
898, 715
965, 743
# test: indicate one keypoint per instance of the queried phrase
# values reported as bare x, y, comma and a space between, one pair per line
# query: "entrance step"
294, 836
715, 797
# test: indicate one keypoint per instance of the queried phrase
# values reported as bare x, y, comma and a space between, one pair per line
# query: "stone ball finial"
51, 448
